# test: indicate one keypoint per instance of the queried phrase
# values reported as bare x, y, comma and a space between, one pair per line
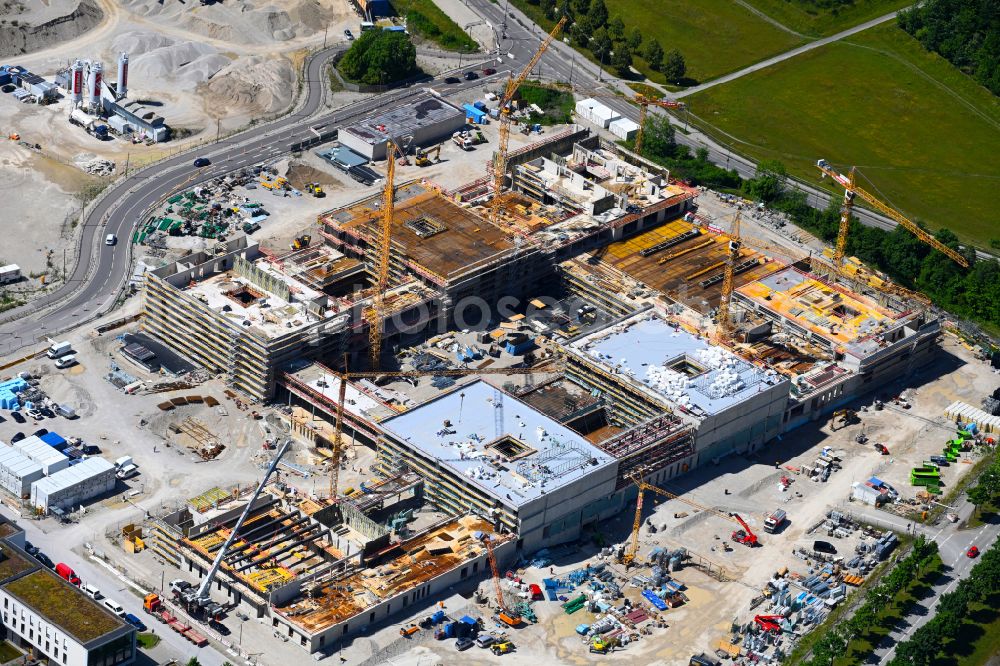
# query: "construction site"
556, 409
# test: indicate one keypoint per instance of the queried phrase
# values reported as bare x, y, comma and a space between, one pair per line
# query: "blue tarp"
655, 600
54, 440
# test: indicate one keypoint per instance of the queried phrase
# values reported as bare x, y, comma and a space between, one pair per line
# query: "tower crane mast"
851, 190
376, 321
500, 162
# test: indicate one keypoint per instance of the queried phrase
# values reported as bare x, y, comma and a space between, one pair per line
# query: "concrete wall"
68, 497
420, 597
745, 426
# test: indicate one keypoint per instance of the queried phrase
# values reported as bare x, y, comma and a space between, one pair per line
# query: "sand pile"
157, 57
245, 21
40, 25
255, 85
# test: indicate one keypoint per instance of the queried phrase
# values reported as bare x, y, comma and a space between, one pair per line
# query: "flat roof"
73, 475
403, 119
685, 263
17, 463
544, 454
43, 454
679, 367
12, 563
829, 311
64, 605
432, 231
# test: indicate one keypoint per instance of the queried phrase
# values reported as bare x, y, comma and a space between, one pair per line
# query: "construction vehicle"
278, 183
513, 83
505, 614
600, 645
463, 140
152, 603
745, 535
423, 157
844, 417
774, 521
301, 242
851, 191
316, 190
502, 648
769, 623
197, 600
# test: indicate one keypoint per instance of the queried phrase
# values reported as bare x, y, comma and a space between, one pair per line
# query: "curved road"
98, 277
102, 270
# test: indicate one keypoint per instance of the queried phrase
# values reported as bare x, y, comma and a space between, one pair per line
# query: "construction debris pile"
98, 166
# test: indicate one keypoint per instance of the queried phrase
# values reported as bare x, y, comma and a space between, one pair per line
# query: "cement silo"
94, 84
76, 82
122, 88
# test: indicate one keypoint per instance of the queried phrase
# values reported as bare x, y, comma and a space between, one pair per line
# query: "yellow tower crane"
851, 190
500, 161
376, 321
725, 328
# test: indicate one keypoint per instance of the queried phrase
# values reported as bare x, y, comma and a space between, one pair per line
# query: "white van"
114, 607
65, 361
91, 591
111, 239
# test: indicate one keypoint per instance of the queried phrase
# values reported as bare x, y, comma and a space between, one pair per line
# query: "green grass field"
426, 19
924, 136
978, 641
805, 17
715, 36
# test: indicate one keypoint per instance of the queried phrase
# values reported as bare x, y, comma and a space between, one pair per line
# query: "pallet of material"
853, 580
732, 650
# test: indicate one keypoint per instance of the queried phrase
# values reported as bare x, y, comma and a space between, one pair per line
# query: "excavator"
301, 242
844, 417
423, 157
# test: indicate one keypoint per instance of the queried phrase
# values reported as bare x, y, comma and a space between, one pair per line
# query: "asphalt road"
95, 283
97, 279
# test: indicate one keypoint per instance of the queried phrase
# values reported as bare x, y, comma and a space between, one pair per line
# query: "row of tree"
612, 44
941, 635
987, 488
972, 293
878, 599
964, 32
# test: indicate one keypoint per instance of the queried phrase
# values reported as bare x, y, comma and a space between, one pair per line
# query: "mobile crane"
505, 615
744, 536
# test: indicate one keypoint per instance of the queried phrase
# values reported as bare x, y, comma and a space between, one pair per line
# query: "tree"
548, 8
978, 496
634, 40
768, 183
616, 29
600, 43
621, 59
653, 53
379, 57
193, 661
674, 67
659, 138
597, 13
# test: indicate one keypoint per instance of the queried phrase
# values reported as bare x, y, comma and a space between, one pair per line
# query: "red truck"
66, 573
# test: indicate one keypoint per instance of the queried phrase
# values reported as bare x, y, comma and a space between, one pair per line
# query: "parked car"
35, 415
17, 416
30, 548
47, 413
973, 552
18, 436
44, 559
488, 71
471, 76
114, 607
485, 640
824, 547
464, 643
201, 162
40, 432
91, 450
91, 591
66, 573
349, 35
135, 621
453, 79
